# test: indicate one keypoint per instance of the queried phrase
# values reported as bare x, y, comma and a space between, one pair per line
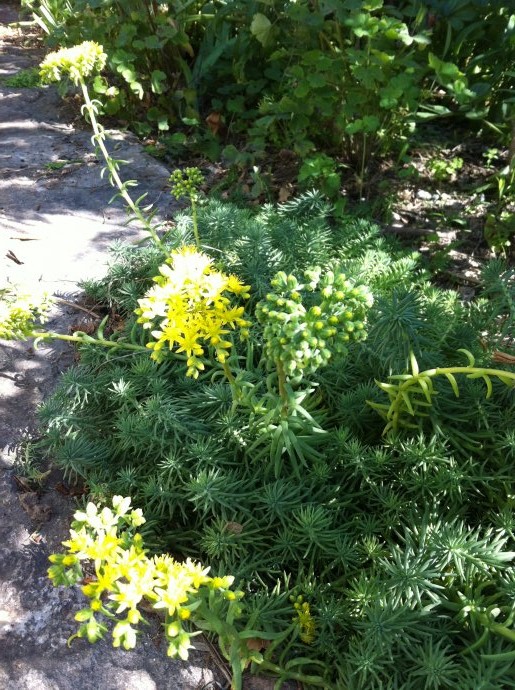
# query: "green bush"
345, 80
400, 545
149, 52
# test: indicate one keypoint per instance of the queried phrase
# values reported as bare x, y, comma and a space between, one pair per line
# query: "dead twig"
77, 306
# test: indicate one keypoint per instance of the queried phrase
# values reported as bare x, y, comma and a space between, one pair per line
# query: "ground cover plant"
400, 545
293, 402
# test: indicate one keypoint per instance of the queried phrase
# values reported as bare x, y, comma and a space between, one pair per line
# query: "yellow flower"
19, 310
189, 308
76, 63
305, 621
235, 286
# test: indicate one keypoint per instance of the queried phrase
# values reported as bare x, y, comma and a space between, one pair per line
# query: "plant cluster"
303, 339
398, 545
125, 578
368, 557
331, 80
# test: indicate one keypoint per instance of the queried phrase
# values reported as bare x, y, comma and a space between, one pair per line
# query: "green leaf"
260, 28
152, 42
316, 80
137, 89
158, 81
99, 84
469, 356
407, 402
454, 384
83, 615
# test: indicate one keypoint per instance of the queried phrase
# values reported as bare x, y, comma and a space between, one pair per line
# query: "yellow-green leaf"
260, 27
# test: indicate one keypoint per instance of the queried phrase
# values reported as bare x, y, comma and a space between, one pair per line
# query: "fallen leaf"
284, 193
257, 643
12, 256
503, 357
35, 510
234, 527
23, 484
214, 121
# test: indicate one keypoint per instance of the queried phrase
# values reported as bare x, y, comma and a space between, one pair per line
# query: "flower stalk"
77, 64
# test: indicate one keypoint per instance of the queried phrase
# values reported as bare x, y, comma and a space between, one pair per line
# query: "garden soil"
56, 224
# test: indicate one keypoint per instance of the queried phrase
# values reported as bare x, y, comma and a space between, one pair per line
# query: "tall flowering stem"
190, 310
186, 183
79, 63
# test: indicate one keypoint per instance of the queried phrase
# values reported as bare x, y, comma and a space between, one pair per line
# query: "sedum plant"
19, 310
366, 560
191, 303
400, 546
125, 577
79, 64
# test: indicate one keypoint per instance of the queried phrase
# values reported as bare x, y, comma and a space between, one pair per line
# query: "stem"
51, 335
362, 171
413, 380
193, 202
281, 377
293, 675
469, 370
232, 382
99, 137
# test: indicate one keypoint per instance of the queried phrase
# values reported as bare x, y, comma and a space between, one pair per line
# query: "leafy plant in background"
472, 53
352, 80
24, 79
344, 80
445, 170
148, 50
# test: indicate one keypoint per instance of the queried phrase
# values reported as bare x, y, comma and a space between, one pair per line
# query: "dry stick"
218, 659
77, 306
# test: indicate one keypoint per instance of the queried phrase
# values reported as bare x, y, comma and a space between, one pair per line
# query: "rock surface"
55, 226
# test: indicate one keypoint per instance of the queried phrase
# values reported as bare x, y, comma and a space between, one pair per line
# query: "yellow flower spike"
77, 63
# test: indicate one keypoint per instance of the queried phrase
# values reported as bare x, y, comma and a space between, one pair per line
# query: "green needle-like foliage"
402, 544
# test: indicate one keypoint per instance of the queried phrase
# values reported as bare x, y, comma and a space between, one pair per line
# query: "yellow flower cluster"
124, 575
76, 63
305, 620
191, 306
19, 310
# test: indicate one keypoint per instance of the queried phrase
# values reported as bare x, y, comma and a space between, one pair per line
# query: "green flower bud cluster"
19, 311
186, 182
77, 62
306, 323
